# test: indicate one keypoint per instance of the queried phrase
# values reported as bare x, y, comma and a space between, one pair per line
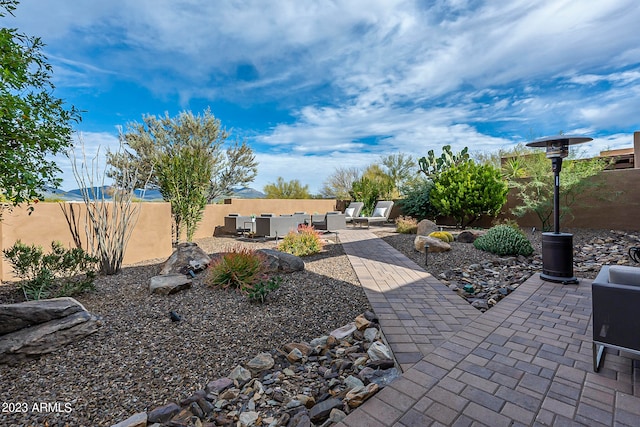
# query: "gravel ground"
139, 359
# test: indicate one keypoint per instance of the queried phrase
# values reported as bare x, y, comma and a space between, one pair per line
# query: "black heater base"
557, 258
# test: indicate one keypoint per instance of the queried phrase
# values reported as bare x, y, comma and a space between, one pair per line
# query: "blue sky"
316, 85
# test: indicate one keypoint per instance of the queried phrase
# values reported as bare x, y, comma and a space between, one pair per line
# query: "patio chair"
353, 210
380, 214
615, 300
331, 221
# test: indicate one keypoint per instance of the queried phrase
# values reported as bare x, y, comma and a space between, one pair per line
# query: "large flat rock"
14, 317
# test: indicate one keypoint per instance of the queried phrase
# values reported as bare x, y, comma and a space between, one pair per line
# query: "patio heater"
557, 247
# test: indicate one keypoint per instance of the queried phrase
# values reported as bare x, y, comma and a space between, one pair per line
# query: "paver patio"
527, 361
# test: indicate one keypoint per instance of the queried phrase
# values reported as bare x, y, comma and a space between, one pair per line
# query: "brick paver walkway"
527, 361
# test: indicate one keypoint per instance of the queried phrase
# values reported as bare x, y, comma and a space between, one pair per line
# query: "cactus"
445, 236
504, 240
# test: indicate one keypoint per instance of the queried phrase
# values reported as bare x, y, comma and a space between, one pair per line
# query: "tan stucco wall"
151, 237
615, 204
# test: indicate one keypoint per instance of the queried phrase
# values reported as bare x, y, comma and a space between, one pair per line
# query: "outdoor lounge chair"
353, 210
380, 214
331, 221
615, 300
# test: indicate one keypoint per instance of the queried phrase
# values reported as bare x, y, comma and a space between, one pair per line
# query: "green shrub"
445, 236
406, 225
467, 191
416, 202
305, 242
241, 268
260, 290
62, 272
504, 240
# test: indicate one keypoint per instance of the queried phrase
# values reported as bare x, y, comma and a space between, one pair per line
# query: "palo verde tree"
282, 189
467, 191
530, 175
34, 124
185, 158
374, 185
234, 163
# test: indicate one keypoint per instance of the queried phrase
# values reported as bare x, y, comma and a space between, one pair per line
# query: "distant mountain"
247, 193
149, 195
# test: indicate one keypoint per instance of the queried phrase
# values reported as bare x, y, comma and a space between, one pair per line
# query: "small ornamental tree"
467, 191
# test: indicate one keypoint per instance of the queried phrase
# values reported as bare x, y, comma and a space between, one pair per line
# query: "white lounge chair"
380, 214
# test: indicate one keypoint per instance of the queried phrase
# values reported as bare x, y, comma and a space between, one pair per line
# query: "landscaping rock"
313, 388
435, 245
169, 283
14, 317
282, 262
186, 257
469, 236
425, 227
162, 414
137, 420
40, 338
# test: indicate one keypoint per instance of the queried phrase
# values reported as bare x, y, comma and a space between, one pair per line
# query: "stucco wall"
151, 237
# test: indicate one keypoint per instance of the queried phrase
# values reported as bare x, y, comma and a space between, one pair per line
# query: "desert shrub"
406, 225
261, 289
305, 242
240, 268
445, 236
62, 272
504, 240
509, 222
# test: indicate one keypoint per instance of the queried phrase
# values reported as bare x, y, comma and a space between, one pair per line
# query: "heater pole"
556, 163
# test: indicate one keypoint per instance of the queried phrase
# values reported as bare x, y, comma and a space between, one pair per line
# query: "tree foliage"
338, 185
151, 140
374, 185
34, 124
282, 189
183, 177
531, 176
400, 168
467, 191
417, 201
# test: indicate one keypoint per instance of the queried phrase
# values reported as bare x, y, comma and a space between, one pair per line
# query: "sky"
313, 86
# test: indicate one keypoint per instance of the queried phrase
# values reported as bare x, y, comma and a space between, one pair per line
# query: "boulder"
425, 227
186, 257
261, 362
469, 236
14, 317
356, 397
435, 245
41, 338
282, 262
169, 283
137, 420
